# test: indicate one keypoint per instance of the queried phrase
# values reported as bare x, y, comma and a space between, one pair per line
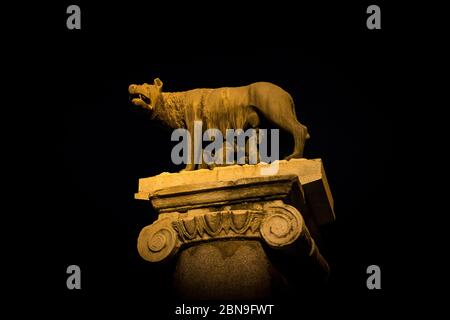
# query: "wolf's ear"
158, 83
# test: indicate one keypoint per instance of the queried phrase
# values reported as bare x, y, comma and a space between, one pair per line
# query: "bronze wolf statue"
222, 108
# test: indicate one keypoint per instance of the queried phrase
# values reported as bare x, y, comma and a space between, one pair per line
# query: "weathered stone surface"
310, 173
219, 270
227, 233
184, 197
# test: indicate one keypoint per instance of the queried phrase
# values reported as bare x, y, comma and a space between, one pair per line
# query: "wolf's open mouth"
140, 96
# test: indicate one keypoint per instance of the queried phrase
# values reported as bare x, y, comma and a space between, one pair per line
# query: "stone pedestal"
236, 234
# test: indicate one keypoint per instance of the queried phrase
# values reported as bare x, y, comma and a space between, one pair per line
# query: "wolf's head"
146, 95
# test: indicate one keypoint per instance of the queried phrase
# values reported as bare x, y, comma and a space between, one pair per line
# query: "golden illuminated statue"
222, 108
233, 231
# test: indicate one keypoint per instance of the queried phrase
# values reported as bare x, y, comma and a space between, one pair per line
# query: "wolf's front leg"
190, 165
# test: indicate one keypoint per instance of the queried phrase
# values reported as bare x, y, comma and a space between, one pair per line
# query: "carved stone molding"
213, 194
310, 173
273, 222
219, 225
282, 225
162, 239
269, 208
158, 241
277, 224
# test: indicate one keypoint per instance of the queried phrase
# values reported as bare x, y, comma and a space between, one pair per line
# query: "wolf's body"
223, 108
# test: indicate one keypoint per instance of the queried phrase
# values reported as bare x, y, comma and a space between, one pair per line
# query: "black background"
88, 146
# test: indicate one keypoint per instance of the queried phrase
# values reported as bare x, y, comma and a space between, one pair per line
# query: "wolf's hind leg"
300, 134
